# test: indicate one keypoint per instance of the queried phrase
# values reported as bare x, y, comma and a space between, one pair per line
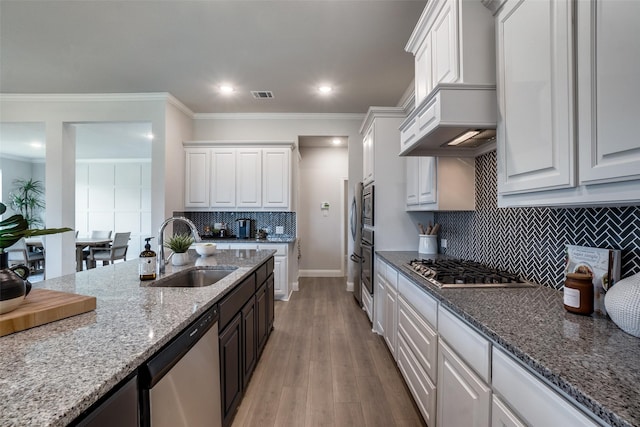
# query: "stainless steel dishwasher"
180, 386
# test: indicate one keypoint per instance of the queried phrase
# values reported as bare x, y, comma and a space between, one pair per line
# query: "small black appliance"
244, 228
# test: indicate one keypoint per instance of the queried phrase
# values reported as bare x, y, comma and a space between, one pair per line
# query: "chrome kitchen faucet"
194, 231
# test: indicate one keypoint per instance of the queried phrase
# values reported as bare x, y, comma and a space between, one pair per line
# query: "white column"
60, 197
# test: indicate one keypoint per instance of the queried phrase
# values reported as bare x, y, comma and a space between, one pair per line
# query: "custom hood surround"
455, 101
457, 120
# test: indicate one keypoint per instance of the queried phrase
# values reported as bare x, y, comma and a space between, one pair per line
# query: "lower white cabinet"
501, 415
391, 318
534, 402
379, 296
464, 399
421, 386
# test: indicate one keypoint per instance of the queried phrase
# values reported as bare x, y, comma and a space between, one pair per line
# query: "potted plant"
27, 200
179, 243
16, 227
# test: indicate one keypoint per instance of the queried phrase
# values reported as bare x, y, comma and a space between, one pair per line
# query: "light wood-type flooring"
322, 366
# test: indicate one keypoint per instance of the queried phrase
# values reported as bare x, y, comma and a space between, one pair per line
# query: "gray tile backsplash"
532, 241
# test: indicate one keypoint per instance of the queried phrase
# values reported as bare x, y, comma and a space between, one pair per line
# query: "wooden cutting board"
44, 306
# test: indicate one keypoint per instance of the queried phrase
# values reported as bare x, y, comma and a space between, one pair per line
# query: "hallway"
324, 366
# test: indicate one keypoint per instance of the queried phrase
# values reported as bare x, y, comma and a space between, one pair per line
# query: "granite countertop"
52, 373
587, 357
283, 239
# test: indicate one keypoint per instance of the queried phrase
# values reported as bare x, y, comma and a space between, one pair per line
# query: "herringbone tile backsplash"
532, 241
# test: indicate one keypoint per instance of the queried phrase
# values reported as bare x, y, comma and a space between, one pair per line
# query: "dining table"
81, 244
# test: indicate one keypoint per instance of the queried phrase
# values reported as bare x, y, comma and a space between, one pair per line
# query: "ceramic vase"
179, 259
622, 302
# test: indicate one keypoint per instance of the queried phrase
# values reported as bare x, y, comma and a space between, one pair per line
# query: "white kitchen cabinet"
536, 404
379, 297
249, 178
441, 56
464, 399
608, 52
276, 177
440, 183
238, 176
502, 416
537, 142
368, 156
419, 383
223, 178
197, 177
535, 135
391, 318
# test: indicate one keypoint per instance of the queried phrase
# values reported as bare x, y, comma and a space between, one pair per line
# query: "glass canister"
578, 293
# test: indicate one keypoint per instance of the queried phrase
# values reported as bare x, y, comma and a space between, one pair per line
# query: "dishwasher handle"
156, 367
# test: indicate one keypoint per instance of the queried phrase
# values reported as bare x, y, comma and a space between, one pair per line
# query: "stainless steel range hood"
455, 120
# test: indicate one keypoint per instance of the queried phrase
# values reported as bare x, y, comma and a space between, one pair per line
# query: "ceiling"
189, 48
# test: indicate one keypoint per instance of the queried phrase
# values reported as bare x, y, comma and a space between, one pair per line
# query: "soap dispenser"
147, 266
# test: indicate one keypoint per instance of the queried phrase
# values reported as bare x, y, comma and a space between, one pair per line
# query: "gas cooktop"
455, 273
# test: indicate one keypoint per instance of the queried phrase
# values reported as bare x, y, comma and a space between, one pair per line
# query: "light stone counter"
51, 374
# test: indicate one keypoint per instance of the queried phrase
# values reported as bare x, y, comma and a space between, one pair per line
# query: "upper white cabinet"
368, 156
543, 158
224, 176
535, 96
609, 95
197, 184
440, 183
440, 54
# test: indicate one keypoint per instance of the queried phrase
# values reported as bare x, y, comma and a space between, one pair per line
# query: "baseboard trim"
349, 286
321, 273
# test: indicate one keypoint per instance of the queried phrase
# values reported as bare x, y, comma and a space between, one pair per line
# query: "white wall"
322, 175
58, 112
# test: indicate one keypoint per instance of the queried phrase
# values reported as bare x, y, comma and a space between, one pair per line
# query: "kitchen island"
585, 358
51, 374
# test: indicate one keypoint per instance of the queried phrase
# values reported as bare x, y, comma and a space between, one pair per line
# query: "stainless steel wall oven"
367, 259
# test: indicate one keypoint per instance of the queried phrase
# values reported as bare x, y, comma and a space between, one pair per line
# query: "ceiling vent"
262, 94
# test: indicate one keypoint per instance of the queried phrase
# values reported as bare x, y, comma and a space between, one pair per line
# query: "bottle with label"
147, 266
578, 293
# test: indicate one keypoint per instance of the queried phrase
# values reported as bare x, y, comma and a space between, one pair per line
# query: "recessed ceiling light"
336, 141
226, 89
325, 89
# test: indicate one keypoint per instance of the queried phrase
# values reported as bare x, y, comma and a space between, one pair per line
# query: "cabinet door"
444, 38
427, 186
261, 316
230, 369
276, 181
249, 340
535, 141
391, 319
463, 398
280, 277
423, 70
379, 297
501, 415
608, 92
197, 169
270, 303
249, 178
223, 177
412, 180
421, 386
368, 156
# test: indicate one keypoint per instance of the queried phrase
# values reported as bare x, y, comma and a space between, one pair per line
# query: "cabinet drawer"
467, 343
419, 300
261, 274
233, 303
392, 277
422, 389
535, 402
417, 334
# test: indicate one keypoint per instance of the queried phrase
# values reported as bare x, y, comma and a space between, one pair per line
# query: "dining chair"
95, 234
117, 250
19, 254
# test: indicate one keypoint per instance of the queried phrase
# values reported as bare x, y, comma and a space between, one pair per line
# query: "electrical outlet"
443, 243
279, 229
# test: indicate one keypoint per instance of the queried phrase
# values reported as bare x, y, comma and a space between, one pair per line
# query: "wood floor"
322, 366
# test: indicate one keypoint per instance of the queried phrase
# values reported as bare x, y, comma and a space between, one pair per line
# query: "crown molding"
382, 112
278, 116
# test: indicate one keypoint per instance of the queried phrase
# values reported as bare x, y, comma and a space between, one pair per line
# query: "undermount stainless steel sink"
194, 278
